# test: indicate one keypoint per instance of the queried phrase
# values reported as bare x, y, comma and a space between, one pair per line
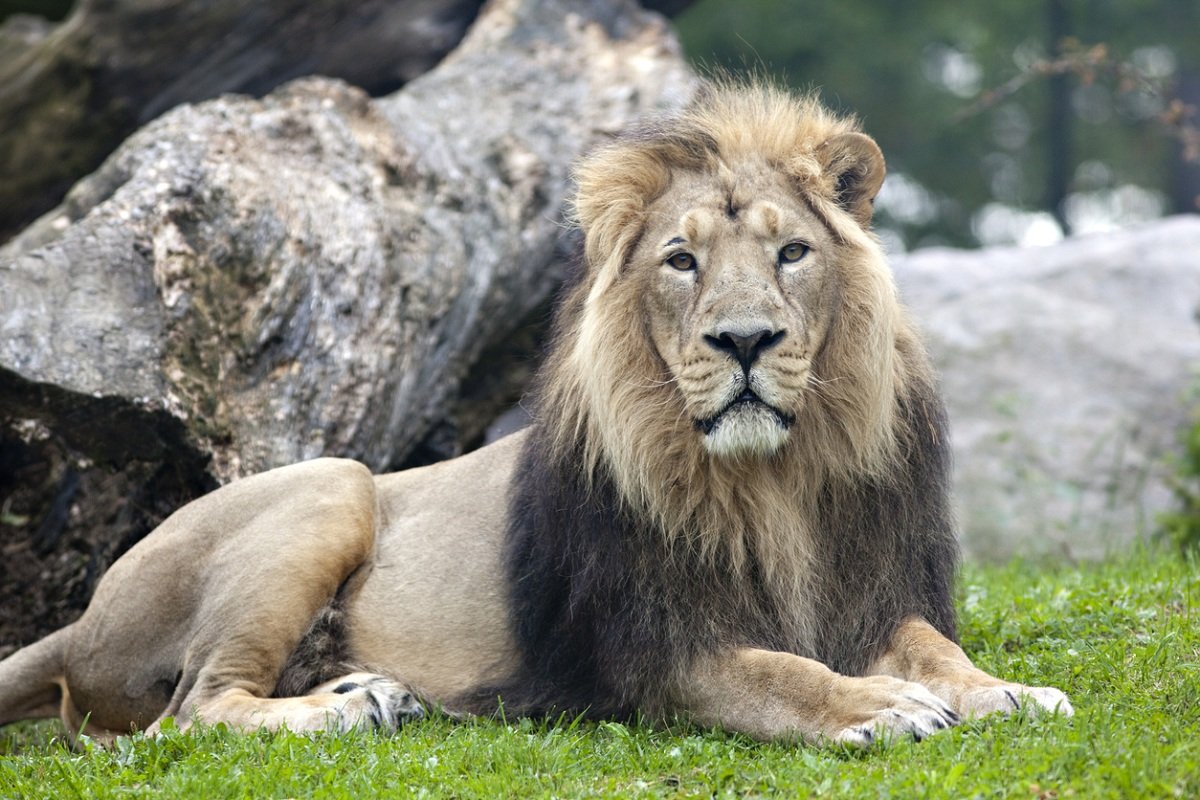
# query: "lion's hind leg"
359, 700
920, 654
291, 545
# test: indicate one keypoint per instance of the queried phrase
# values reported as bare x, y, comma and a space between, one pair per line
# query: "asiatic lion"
731, 505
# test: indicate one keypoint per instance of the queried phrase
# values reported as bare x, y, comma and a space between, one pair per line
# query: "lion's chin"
745, 429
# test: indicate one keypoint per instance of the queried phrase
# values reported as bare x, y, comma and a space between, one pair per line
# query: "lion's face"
735, 315
737, 290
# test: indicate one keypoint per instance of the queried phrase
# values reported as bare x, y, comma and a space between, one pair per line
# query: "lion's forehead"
761, 219
705, 208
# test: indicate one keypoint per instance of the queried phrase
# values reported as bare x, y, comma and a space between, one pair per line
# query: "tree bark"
70, 94
247, 283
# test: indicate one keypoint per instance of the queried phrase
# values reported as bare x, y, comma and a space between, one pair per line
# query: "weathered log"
70, 94
247, 283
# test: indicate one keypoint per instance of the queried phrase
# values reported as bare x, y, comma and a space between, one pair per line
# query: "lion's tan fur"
611, 390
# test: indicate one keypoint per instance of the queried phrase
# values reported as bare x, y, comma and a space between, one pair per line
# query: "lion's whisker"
818, 385
652, 384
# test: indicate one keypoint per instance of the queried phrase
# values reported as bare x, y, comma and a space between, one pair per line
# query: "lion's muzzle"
745, 348
746, 424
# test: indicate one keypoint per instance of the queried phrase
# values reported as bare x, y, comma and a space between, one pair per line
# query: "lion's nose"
745, 347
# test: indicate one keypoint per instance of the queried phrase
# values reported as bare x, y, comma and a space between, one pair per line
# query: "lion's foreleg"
770, 695
920, 654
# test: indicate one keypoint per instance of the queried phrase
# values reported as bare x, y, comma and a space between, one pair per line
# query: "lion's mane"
631, 549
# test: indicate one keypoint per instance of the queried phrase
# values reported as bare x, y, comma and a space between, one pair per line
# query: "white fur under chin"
746, 430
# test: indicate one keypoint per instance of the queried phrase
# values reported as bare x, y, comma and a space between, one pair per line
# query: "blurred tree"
1073, 151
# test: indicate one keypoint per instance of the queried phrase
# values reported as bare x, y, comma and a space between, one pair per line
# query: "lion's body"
441, 555
732, 499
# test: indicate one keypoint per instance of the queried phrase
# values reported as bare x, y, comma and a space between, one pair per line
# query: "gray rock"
1067, 372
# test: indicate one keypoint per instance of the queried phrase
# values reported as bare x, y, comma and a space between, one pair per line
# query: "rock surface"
247, 283
1069, 372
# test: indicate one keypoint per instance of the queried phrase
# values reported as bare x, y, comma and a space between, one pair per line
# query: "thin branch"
1089, 64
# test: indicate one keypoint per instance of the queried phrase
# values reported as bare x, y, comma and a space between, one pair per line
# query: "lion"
730, 508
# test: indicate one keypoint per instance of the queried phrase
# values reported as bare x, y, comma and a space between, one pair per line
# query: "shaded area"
81, 480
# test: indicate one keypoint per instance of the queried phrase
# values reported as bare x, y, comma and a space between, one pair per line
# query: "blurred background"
1016, 122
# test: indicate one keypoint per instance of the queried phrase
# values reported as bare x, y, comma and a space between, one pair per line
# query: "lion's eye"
682, 261
791, 253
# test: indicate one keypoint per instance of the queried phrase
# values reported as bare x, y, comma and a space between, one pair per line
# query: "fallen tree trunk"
247, 283
69, 94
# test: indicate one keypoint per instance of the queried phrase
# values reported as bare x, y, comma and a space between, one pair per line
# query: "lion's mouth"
747, 399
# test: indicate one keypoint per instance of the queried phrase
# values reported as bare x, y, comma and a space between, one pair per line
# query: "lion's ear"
854, 165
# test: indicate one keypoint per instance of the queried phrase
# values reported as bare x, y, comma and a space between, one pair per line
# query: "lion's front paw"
878, 708
1007, 698
371, 701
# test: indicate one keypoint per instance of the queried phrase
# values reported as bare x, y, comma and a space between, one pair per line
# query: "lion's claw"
899, 708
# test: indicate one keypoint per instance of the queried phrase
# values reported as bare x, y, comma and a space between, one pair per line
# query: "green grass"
1121, 638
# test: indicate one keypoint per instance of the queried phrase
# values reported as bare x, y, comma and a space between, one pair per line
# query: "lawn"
1122, 638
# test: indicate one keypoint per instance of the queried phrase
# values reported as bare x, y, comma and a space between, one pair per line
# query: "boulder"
248, 282
1070, 374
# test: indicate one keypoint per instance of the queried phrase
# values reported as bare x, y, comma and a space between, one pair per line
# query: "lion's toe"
1011, 697
1050, 699
860, 736
895, 708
